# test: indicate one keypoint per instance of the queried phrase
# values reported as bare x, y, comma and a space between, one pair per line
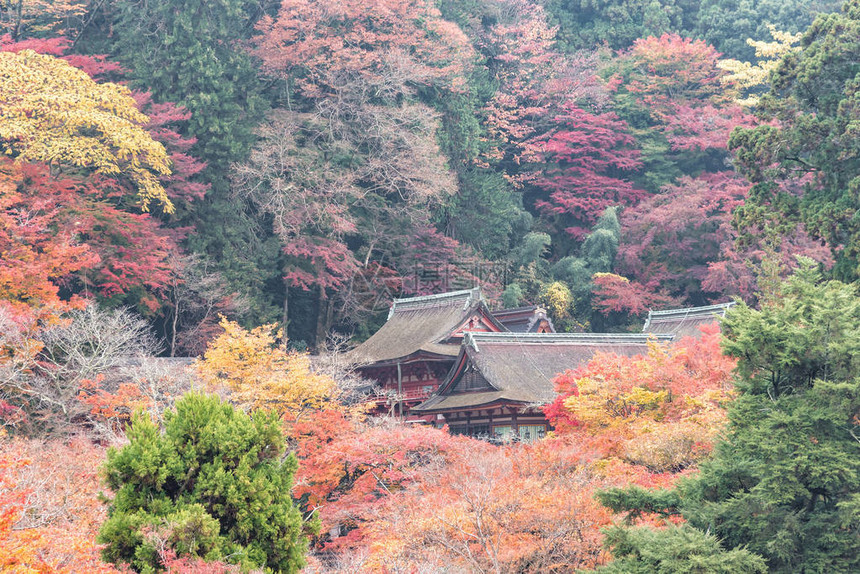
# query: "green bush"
213, 484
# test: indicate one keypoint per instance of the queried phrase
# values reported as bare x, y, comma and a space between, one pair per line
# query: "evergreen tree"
805, 164
564, 287
785, 482
192, 53
675, 550
213, 484
726, 24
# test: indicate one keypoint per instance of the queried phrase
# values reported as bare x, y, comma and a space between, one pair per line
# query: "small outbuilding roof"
426, 325
684, 322
520, 367
524, 319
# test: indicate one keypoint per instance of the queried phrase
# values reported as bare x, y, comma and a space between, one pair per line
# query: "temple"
500, 381
414, 350
684, 322
531, 319
448, 360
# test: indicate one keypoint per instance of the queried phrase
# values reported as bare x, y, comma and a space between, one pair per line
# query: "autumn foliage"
261, 374
596, 158
35, 257
81, 123
659, 411
325, 44
585, 162
49, 509
393, 498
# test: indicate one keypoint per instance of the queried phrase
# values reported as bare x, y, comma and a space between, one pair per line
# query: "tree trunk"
324, 316
285, 317
173, 328
19, 16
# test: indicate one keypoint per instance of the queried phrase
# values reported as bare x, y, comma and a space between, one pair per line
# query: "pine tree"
785, 482
213, 484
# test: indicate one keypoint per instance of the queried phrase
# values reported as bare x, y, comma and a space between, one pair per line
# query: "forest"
205, 203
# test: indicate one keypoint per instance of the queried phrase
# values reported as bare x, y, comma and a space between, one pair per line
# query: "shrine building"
447, 359
413, 351
499, 382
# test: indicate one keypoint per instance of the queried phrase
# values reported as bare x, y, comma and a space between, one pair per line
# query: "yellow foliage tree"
263, 375
747, 76
46, 18
55, 113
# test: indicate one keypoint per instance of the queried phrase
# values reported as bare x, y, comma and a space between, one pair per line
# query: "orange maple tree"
523, 508
49, 507
36, 255
660, 411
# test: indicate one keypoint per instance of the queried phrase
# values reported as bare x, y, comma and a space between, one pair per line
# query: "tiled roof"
523, 319
421, 324
684, 322
520, 367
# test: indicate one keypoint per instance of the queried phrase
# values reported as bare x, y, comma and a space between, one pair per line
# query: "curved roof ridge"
468, 296
475, 338
512, 310
691, 311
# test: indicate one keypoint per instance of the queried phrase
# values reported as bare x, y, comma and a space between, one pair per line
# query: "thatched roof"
523, 319
425, 325
684, 322
520, 367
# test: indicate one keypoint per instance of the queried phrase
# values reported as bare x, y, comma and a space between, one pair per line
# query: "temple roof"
520, 367
424, 325
684, 322
523, 319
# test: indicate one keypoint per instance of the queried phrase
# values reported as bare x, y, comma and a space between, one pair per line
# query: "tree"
321, 45
805, 168
121, 253
80, 124
784, 482
407, 498
46, 364
261, 374
74, 233
662, 411
198, 296
192, 54
526, 508
683, 242
618, 23
671, 239
534, 79
132, 266
49, 508
587, 159
575, 287
213, 484
677, 105
725, 24
350, 167
186, 53
617, 294
36, 258
38, 18
349, 468
753, 78
675, 549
